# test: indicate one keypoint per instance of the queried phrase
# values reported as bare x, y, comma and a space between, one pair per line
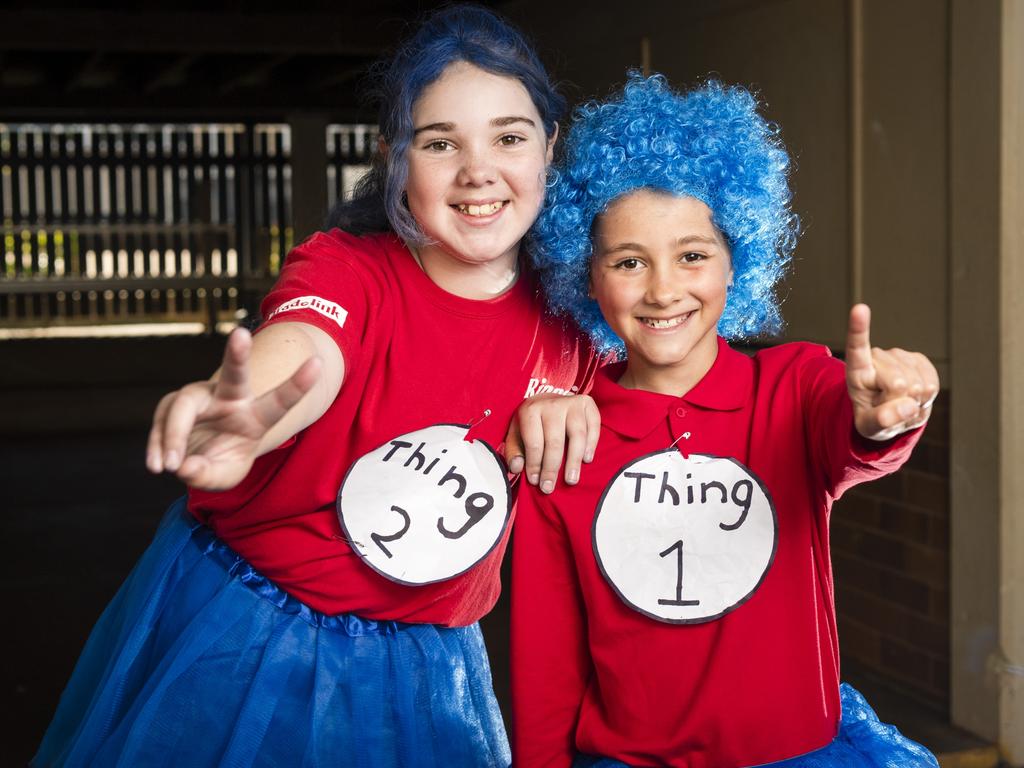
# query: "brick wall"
890, 552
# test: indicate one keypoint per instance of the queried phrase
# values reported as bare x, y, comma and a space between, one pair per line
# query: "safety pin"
487, 412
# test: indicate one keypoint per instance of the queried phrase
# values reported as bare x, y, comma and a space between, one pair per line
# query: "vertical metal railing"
349, 149
103, 224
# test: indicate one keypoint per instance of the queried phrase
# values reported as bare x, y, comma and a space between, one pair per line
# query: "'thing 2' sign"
684, 539
426, 506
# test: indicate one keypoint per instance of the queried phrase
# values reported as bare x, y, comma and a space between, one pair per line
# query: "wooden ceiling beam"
173, 75
254, 76
339, 77
91, 74
190, 102
366, 34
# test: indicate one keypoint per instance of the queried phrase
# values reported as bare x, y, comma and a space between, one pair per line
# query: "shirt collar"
635, 412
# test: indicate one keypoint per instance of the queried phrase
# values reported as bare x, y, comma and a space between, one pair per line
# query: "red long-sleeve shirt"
749, 672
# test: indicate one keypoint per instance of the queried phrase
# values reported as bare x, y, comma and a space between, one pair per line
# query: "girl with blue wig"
314, 600
675, 608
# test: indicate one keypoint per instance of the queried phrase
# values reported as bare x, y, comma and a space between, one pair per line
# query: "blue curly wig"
710, 144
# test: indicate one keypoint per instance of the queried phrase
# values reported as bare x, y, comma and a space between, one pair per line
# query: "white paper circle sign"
426, 506
685, 540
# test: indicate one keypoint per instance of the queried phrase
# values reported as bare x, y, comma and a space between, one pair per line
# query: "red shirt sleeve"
323, 283
550, 658
843, 457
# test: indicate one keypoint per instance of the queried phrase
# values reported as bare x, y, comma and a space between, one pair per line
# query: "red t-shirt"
415, 356
719, 679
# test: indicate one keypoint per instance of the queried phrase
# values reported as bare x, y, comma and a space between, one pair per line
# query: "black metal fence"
107, 224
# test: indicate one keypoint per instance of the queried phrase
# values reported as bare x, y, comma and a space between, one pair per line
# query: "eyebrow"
501, 122
498, 122
698, 239
685, 240
439, 127
623, 247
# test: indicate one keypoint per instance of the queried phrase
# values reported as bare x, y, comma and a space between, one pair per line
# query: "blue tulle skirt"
862, 742
201, 661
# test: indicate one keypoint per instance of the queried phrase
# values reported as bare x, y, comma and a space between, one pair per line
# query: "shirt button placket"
677, 418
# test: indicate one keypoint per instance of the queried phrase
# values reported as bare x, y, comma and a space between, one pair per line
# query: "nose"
477, 169
663, 287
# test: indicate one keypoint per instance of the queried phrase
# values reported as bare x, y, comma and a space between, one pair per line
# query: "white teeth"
670, 322
481, 210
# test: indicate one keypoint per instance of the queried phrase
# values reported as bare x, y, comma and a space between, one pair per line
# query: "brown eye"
694, 258
510, 140
628, 264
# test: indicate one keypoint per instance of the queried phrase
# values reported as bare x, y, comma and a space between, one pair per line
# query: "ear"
728, 283
550, 155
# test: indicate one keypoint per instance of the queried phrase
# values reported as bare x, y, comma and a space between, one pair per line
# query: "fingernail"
151, 464
588, 457
515, 464
534, 479
572, 476
547, 486
906, 410
171, 461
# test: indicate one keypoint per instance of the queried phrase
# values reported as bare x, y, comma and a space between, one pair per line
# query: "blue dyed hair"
455, 33
710, 144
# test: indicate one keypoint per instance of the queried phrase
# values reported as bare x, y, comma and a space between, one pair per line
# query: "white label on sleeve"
685, 540
426, 506
324, 307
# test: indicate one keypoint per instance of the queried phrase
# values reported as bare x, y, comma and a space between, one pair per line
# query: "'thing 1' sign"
684, 540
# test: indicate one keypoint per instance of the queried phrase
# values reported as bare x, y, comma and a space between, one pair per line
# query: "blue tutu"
201, 661
863, 742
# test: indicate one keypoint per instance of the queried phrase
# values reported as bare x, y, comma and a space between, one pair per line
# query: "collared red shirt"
757, 684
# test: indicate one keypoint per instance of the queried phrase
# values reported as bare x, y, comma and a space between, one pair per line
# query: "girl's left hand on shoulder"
545, 428
892, 390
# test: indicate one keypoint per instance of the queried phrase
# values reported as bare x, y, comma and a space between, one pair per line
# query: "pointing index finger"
858, 340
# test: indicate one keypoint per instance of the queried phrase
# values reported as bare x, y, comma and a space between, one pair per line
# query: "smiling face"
660, 274
477, 166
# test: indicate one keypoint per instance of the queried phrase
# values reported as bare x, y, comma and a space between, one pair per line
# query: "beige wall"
1010, 660
905, 173
987, 171
975, 427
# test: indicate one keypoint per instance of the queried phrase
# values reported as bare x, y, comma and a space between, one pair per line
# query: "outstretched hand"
209, 433
892, 390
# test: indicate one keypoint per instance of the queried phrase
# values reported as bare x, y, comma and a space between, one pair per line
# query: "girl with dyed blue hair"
314, 600
462, 33
675, 608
